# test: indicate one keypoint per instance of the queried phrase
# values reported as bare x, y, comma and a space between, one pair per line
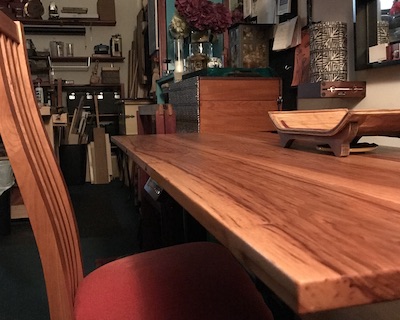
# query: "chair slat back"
37, 173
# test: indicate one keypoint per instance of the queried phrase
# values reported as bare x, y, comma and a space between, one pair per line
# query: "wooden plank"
321, 231
100, 154
9, 27
91, 165
220, 116
100, 151
160, 123
108, 152
233, 89
170, 119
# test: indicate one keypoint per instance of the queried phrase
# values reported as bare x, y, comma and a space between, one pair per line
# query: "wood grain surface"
38, 174
327, 122
322, 232
335, 127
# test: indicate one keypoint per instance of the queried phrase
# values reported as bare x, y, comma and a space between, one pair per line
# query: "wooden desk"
322, 232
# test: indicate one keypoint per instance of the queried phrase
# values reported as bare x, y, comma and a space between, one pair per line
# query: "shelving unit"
67, 22
71, 63
93, 58
62, 26
80, 59
86, 60
60, 93
107, 94
56, 92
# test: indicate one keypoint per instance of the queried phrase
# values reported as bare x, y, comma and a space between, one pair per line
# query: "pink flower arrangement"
395, 8
204, 15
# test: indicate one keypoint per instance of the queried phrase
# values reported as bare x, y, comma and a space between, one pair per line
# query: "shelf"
77, 86
79, 59
61, 26
67, 22
104, 115
385, 63
332, 89
84, 59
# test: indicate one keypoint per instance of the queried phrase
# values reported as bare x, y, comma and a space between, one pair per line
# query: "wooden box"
249, 45
128, 113
110, 75
224, 104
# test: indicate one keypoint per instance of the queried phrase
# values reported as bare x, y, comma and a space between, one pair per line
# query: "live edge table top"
322, 232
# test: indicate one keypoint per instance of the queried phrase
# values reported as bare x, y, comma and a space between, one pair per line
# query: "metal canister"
116, 45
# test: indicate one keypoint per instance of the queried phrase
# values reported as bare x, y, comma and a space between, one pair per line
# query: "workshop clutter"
107, 99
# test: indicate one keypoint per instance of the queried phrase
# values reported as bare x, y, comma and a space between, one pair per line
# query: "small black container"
73, 163
5, 213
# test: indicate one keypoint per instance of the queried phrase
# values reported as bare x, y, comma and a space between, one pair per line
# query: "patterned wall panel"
328, 51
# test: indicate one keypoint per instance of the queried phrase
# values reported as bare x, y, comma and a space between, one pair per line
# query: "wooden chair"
190, 281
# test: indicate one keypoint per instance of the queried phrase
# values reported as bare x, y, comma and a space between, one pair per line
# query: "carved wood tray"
335, 127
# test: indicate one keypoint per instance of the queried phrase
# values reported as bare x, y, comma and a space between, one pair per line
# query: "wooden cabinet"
223, 104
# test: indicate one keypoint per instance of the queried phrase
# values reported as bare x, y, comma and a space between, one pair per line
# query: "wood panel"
321, 231
223, 116
239, 89
233, 104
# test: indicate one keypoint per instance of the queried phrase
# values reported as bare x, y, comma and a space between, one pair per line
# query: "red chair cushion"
189, 281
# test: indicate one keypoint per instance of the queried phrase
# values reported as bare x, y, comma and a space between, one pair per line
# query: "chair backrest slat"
9, 29
37, 173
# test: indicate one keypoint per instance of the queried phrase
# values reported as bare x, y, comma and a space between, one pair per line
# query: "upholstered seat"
190, 281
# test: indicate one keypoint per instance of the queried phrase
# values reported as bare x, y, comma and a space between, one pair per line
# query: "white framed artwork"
247, 6
283, 7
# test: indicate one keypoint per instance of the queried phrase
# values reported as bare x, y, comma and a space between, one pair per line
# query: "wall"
381, 82
126, 12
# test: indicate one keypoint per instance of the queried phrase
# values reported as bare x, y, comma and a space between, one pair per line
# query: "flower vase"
200, 50
178, 55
